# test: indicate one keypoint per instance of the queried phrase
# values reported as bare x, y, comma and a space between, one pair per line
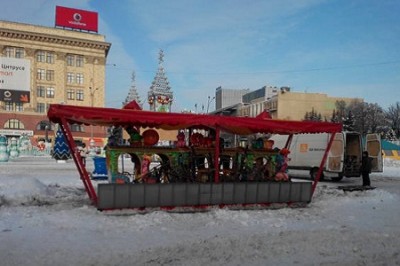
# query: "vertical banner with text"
15, 80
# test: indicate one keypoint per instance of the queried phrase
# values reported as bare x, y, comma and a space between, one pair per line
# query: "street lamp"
91, 141
92, 92
209, 101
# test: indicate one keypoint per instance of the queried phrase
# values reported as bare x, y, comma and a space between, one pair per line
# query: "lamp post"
209, 101
92, 92
92, 151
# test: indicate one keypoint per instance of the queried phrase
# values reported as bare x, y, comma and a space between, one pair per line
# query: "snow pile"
22, 191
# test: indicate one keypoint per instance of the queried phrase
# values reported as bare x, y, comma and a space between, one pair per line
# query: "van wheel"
338, 178
314, 172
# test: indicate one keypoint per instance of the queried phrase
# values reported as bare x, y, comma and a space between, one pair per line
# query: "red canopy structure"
264, 115
236, 125
67, 114
133, 105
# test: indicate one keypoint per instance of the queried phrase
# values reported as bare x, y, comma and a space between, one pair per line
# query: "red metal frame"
216, 157
288, 141
78, 161
323, 161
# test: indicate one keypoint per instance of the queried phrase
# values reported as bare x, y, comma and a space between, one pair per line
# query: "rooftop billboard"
76, 18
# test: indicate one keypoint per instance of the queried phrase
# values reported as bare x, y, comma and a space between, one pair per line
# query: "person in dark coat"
366, 168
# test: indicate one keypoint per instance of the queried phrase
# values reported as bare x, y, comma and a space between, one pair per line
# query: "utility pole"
92, 91
209, 101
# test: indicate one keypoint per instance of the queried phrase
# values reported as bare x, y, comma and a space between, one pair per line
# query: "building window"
9, 52
41, 74
19, 107
13, 106
79, 95
79, 60
50, 58
41, 108
14, 124
70, 94
40, 56
50, 75
15, 52
40, 91
44, 125
70, 60
19, 53
77, 128
9, 106
79, 78
50, 92
70, 78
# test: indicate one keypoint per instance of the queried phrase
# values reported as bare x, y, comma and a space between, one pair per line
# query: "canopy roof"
237, 125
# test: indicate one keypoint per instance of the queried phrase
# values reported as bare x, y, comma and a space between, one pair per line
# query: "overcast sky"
342, 48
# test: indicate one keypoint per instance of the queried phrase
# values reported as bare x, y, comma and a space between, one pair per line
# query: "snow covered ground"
46, 219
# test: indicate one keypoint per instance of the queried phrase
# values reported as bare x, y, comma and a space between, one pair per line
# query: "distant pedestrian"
366, 167
83, 152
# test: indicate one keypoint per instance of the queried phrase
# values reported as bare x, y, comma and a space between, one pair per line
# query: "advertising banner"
15, 80
76, 18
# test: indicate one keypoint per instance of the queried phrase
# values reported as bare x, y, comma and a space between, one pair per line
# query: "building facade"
254, 101
282, 103
228, 97
294, 105
65, 67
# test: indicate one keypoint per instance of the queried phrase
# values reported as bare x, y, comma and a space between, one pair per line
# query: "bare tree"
387, 133
348, 122
375, 117
358, 110
368, 117
340, 110
393, 117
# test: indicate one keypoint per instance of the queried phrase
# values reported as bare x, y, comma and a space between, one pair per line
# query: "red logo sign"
76, 18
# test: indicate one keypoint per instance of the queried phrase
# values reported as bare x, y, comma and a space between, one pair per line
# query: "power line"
328, 68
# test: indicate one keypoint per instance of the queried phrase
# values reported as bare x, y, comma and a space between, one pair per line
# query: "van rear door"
374, 148
335, 158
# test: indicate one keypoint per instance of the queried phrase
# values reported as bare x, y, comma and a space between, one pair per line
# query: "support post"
78, 162
216, 157
288, 141
321, 166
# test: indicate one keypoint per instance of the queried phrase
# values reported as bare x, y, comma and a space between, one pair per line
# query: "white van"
344, 157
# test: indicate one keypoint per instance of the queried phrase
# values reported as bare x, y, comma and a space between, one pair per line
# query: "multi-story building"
254, 101
228, 97
65, 67
294, 105
282, 103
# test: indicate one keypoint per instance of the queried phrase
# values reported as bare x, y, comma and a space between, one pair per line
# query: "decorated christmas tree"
61, 150
160, 95
133, 94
